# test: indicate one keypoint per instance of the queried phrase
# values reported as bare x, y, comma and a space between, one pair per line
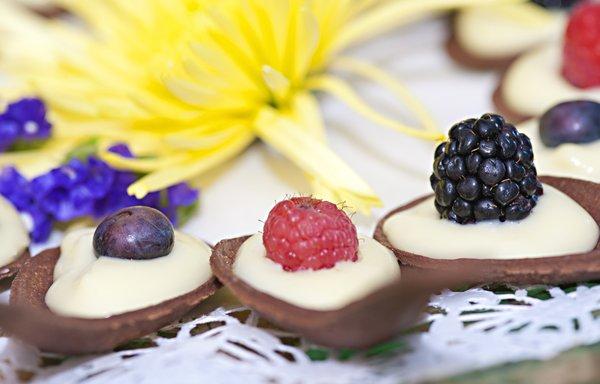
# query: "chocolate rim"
29, 319
363, 323
543, 270
501, 105
457, 53
9, 271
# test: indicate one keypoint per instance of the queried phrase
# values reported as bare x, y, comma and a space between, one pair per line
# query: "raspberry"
581, 51
306, 233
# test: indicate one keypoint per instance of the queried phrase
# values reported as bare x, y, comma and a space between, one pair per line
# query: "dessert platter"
112, 271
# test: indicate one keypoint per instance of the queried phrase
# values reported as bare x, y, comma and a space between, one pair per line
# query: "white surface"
235, 198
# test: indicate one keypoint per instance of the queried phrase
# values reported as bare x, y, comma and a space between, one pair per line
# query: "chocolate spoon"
9, 271
29, 319
542, 270
360, 324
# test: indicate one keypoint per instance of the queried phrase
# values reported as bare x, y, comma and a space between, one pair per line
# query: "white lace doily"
464, 331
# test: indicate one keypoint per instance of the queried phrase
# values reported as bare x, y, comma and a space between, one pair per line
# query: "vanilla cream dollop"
556, 226
495, 32
534, 83
581, 161
13, 233
325, 289
90, 287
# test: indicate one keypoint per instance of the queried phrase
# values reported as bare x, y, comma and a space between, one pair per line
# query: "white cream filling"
493, 33
556, 226
325, 289
581, 161
534, 83
89, 287
14, 235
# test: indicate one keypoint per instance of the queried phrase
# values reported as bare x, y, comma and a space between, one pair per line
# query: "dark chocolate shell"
29, 319
368, 321
543, 270
9, 271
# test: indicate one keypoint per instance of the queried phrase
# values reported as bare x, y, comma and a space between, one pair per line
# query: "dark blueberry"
469, 188
514, 171
486, 129
487, 148
136, 233
529, 185
506, 191
473, 162
462, 208
467, 141
494, 118
524, 156
439, 150
519, 209
456, 168
439, 169
491, 171
508, 145
451, 148
445, 193
486, 209
433, 180
571, 122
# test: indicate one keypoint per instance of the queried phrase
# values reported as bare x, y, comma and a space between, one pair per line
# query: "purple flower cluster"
85, 188
24, 119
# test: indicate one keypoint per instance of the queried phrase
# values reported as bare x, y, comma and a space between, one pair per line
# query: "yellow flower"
191, 83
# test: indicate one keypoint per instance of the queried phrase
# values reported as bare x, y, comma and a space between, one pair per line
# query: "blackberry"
555, 3
485, 171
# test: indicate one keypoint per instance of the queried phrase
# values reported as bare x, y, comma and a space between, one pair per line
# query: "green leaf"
317, 354
84, 150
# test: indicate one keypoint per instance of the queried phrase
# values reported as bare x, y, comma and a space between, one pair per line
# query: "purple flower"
41, 224
16, 188
30, 114
9, 132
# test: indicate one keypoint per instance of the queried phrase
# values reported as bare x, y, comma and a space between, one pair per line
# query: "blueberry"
487, 148
473, 162
445, 193
455, 168
571, 122
462, 208
514, 171
519, 209
135, 233
469, 188
506, 191
508, 145
467, 141
491, 171
486, 209
555, 3
486, 128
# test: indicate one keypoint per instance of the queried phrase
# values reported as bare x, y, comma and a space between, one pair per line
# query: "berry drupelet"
485, 171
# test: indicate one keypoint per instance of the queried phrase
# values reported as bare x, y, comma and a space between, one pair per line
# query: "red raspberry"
581, 51
306, 233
